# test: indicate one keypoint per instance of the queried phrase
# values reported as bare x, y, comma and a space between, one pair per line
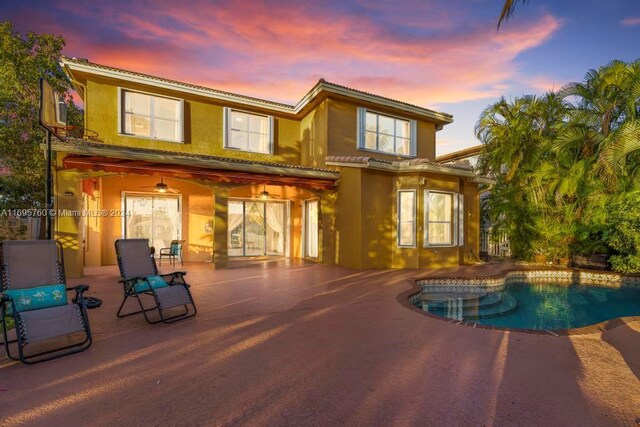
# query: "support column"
327, 233
68, 221
220, 219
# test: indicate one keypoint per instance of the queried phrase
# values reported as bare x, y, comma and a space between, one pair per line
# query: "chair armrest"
79, 288
176, 275
165, 251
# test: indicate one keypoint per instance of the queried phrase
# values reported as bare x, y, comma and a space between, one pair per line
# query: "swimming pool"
540, 306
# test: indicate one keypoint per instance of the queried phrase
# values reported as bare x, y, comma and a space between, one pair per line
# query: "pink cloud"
631, 21
544, 83
278, 50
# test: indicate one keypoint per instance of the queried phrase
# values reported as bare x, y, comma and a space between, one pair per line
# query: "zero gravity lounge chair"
34, 293
168, 293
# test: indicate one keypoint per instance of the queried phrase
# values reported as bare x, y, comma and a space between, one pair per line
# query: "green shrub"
628, 264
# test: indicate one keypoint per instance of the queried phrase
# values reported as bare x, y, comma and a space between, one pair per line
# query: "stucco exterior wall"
203, 125
366, 224
342, 137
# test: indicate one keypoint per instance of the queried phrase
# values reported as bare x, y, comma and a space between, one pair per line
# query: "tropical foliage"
24, 59
507, 10
568, 167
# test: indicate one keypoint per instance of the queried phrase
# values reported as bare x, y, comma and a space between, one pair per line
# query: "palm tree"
507, 10
517, 138
605, 122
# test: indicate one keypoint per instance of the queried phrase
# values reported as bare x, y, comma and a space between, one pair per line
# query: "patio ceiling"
142, 167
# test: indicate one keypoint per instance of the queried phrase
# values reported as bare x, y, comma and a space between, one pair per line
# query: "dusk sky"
444, 55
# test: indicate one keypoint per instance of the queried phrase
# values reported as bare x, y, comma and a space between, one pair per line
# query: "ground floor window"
406, 218
439, 217
256, 228
157, 218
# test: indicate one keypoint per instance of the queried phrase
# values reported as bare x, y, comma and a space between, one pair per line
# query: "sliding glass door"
156, 218
256, 228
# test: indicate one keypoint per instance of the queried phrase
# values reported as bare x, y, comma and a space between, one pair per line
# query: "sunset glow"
441, 55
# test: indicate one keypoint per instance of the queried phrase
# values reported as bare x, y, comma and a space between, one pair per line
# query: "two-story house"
343, 177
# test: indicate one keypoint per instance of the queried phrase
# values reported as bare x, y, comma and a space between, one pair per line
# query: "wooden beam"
139, 167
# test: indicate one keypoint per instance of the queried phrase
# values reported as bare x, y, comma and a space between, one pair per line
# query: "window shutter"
456, 225
182, 123
414, 138
226, 120
360, 117
460, 219
272, 142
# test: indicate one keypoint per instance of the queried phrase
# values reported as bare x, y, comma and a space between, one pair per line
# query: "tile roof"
412, 165
401, 163
86, 62
85, 145
320, 86
321, 81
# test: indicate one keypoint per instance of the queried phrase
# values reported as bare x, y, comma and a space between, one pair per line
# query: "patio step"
466, 300
470, 306
444, 297
507, 304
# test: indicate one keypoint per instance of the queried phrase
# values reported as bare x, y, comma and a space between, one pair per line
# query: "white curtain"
234, 221
275, 221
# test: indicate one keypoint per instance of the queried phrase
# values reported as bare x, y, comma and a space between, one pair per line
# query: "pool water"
537, 306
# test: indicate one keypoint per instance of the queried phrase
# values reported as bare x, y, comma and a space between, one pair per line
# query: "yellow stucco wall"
367, 216
348, 224
342, 138
330, 128
203, 127
377, 221
313, 136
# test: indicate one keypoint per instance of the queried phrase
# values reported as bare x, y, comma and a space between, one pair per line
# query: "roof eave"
114, 74
208, 163
440, 119
404, 168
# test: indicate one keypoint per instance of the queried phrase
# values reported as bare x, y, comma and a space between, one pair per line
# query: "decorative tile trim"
497, 283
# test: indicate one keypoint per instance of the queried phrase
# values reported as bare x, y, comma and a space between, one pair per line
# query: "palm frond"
507, 10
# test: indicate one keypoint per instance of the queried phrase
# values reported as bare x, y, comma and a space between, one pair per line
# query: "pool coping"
494, 282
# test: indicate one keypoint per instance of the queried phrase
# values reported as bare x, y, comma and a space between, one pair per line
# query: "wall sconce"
208, 227
423, 181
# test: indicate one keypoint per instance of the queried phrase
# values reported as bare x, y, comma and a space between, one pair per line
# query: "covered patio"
296, 343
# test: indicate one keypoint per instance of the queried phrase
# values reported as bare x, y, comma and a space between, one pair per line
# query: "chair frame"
55, 352
128, 284
172, 257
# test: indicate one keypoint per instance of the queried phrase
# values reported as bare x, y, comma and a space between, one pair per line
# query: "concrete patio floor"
304, 344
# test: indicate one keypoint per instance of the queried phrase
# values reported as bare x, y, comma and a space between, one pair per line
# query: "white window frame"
362, 129
460, 219
121, 115
455, 218
227, 130
399, 222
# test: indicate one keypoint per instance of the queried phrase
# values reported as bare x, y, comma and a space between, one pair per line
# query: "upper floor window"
386, 134
248, 131
151, 116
